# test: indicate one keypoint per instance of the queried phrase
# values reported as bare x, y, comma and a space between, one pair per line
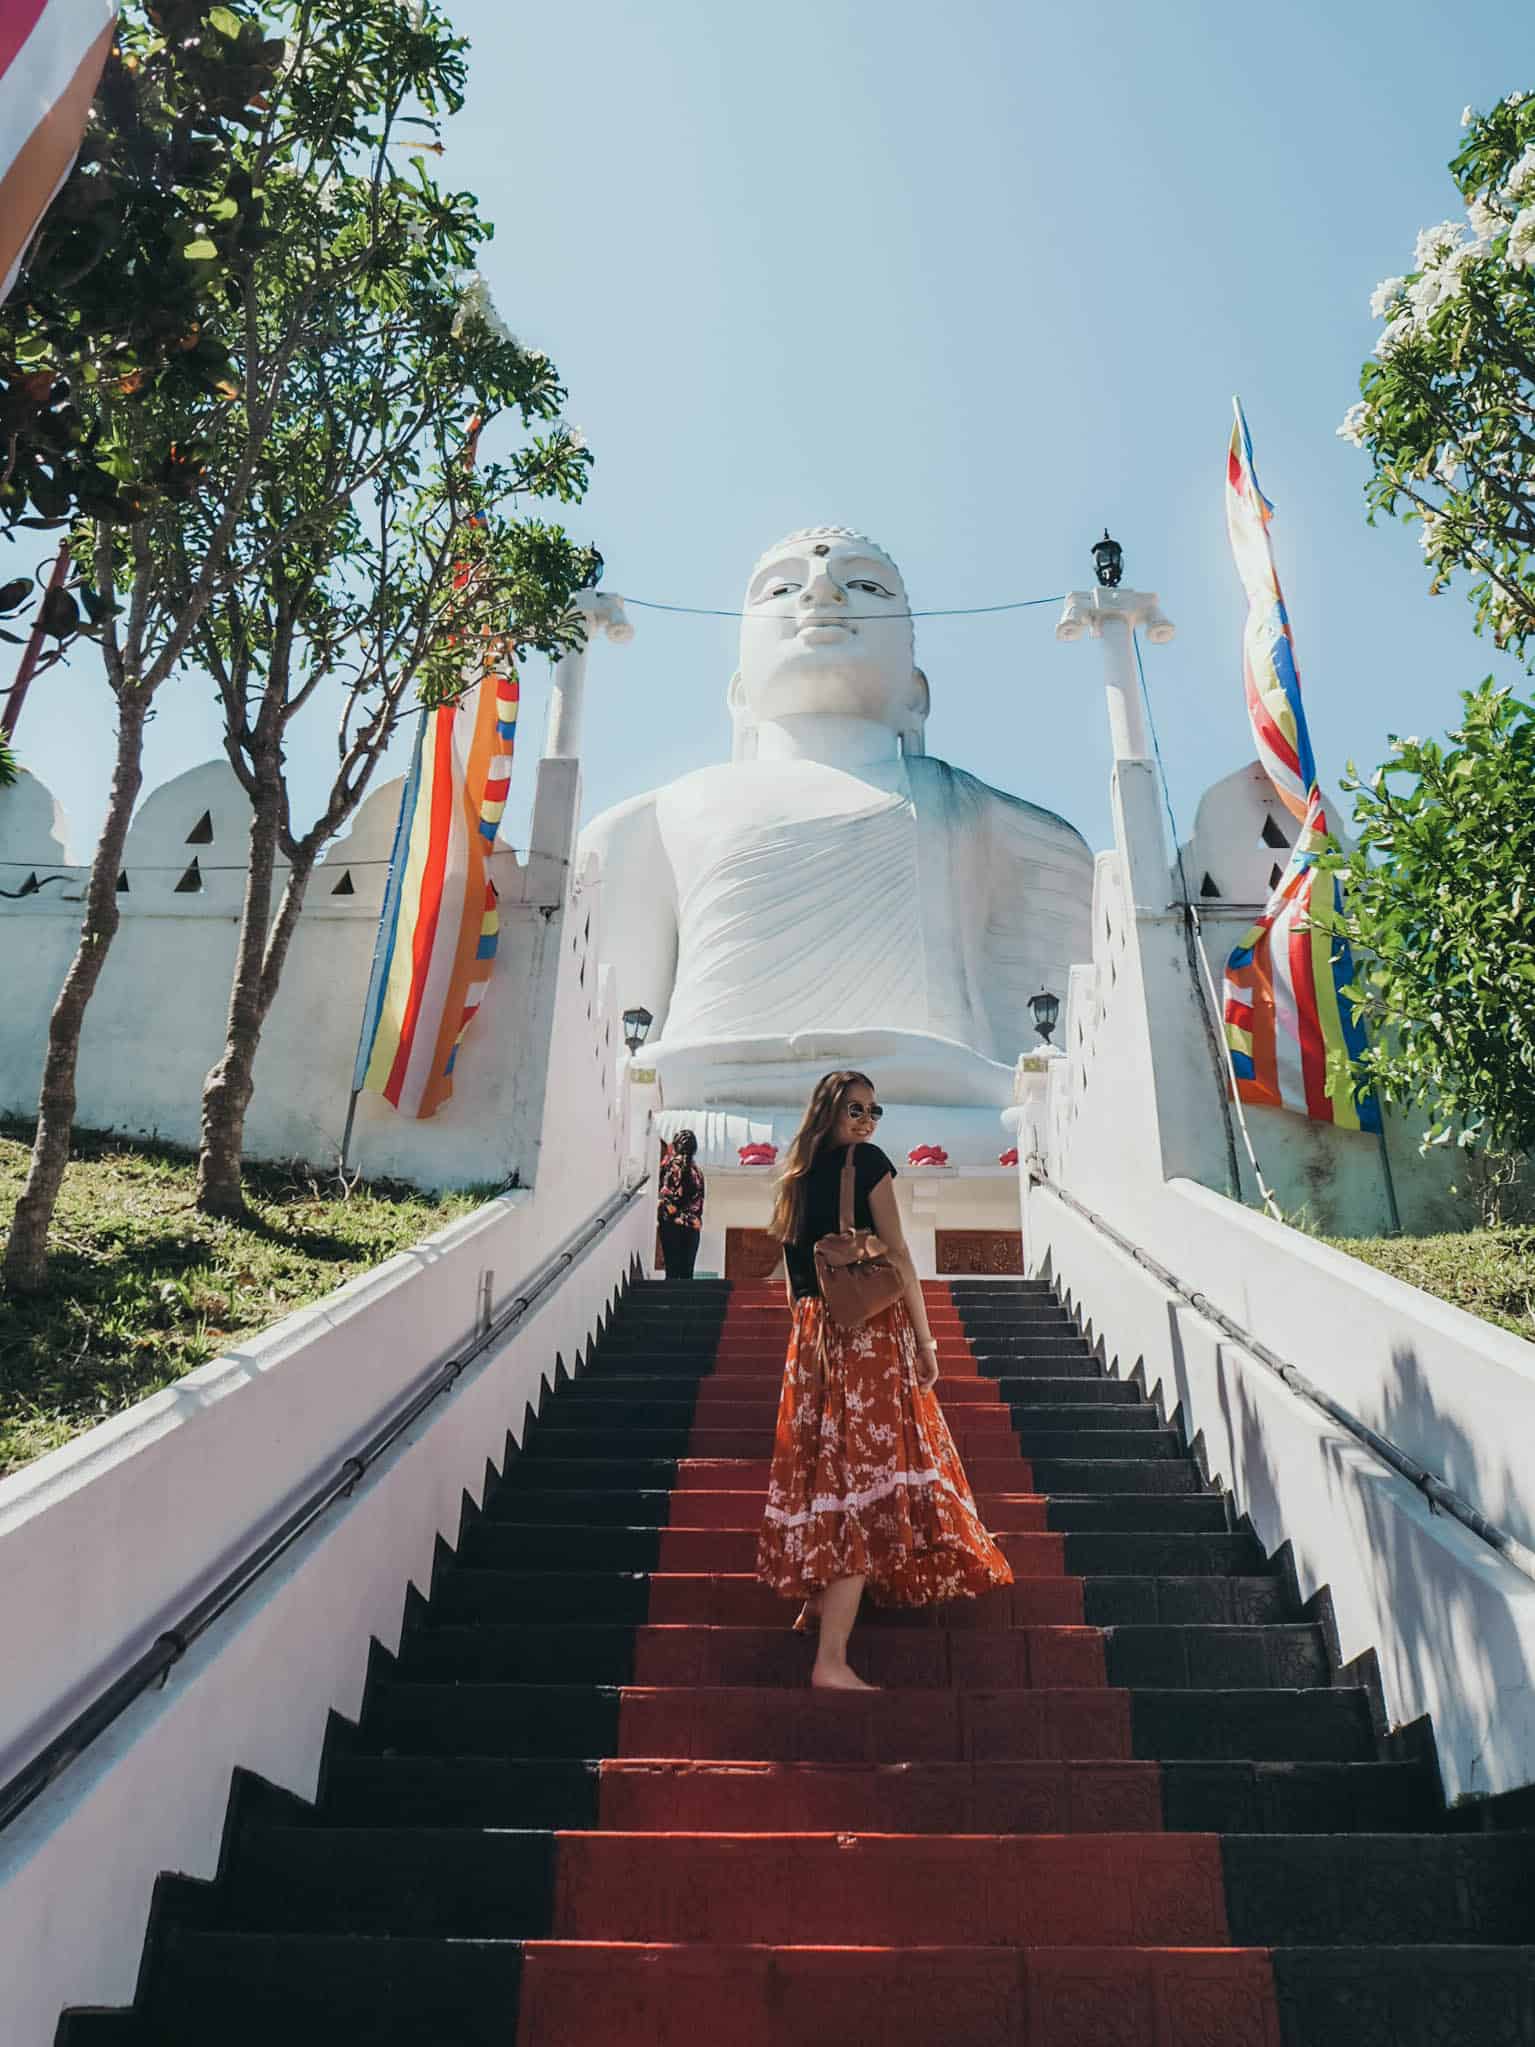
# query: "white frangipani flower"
1520, 182
1467, 116
1485, 221
1353, 425
1434, 243
1385, 296
476, 306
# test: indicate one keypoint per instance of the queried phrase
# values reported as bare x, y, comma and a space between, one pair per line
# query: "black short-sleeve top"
823, 1186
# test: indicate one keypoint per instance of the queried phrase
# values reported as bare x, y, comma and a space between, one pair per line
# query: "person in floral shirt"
680, 1206
866, 1487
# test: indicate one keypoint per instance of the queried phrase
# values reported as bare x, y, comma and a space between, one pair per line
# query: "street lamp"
1108, 561
637, 1024
1046, 1008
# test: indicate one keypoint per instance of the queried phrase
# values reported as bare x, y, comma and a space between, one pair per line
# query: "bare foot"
838, 1678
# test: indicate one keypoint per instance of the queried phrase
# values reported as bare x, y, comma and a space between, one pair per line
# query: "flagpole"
393, 878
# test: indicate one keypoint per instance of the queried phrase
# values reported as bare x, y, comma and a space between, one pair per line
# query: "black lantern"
1046, 1008
1108, 561
637, 1024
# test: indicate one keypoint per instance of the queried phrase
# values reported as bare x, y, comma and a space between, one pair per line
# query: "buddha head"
826, 632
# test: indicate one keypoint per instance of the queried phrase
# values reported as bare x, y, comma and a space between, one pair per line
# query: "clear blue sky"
979, 280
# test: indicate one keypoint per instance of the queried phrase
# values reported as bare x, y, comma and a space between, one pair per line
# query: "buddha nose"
822, 588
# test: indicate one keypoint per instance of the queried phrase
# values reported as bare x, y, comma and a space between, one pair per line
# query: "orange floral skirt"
866, 1480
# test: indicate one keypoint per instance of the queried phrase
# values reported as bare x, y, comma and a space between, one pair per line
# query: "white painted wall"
1453, 1627
1130, 1122
105, 1541
156, 1024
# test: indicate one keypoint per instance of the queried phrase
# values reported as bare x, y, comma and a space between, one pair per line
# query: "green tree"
119, 296
1447, 411
335, 234
1439, 902
419, 563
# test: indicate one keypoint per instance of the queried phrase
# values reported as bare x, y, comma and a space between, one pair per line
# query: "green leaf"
225, 21
200, 251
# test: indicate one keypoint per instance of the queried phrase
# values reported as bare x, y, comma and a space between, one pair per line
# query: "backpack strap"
845, 1195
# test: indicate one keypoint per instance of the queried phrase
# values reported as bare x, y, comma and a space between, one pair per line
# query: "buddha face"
826, 631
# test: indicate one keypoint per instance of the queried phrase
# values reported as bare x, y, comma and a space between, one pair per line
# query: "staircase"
1119, 1804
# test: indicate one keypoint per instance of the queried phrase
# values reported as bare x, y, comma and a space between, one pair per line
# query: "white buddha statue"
832, 896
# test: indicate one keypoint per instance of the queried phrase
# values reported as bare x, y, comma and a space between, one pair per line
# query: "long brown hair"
820, 1121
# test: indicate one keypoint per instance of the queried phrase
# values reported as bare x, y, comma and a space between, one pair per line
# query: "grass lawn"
144, 1288
1489, 1272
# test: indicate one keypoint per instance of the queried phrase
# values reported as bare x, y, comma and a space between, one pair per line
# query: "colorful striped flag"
51, 54
438, 932
1292, 1032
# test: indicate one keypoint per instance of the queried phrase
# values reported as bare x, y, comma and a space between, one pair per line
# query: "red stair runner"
967, 1856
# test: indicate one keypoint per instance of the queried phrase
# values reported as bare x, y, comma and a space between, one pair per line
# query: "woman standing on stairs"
866, 1487
680, 1206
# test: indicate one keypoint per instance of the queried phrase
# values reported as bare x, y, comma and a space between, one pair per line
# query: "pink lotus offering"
1009, 1157
758, 1154
927, 1155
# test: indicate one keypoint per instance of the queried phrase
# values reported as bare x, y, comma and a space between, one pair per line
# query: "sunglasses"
857, 1113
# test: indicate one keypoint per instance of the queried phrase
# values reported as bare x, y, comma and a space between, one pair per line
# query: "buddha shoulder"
940, 787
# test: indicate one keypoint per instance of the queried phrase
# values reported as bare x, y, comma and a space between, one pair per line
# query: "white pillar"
602, 614
1111, 616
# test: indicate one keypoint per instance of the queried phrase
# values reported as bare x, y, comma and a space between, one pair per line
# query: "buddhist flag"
1291, 1031
438, 932
51, 54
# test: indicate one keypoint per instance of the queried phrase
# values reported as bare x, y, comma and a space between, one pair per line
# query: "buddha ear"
912, 741
743, 743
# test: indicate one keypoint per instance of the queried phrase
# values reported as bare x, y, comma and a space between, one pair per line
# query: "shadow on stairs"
1122, 1803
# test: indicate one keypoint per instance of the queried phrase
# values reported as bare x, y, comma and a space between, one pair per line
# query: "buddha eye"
866, 583
782, 590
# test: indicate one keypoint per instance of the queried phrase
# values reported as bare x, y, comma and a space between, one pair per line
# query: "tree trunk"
26, 1254
259, 962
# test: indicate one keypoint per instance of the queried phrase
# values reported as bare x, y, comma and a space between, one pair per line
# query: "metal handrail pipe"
1441, 1497
155, 1664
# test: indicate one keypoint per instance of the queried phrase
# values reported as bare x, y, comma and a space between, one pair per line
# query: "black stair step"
464, 1883
620, 1409
569, 1466
1290, 1798
575, 1651
1066, 1416
560, 1720
1323, 1725
85, 2028
1320, 1890
1029, 1343
1078, 1393
314, 1990
631, 1508
1150, 1445
1114, 1475
1164, 1556
1173, 1513
1217, 1658
1016, 1373
592, 1439
621, 1598
1405, 1996
1184, 1602
458, 1791
557, 1546
528, 1503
